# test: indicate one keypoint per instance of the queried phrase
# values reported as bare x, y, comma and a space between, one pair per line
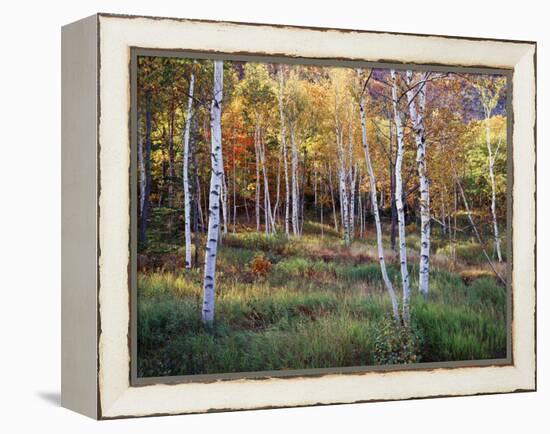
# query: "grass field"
312, 303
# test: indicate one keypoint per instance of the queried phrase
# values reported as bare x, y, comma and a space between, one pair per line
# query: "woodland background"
309, 205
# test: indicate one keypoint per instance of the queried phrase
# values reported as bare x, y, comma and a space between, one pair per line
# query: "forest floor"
314, 303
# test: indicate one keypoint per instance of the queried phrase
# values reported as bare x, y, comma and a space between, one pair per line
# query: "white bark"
344, 205
315, 185
417, 101
141, 164
294, 175
277, 195
211, 251
186, 192
351, 177
487, 111
399, 199
269, 221
353, 187
285, 159
374, 200
258, 193
332, 199
489, 100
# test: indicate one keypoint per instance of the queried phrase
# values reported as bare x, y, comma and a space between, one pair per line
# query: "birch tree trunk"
315, 186
186, 193
224, 196
417, 116
258, 193
487, 111
332, 198
269, 223
302, 195
294, 174
209, 284
391, 176
277, 195
141, 165
344, 205
351, 177
285, 159
146, 206
353, 186
374, 200
399, 200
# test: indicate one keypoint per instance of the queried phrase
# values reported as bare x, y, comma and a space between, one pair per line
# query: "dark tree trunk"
195, 191
393, 230
148, 180
171, 158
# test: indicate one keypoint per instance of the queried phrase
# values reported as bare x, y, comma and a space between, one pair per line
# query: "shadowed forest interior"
301, 216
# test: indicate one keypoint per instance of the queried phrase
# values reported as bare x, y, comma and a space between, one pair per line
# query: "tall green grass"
309, 312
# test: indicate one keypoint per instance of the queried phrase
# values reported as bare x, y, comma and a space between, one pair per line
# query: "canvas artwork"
262, 216
295, 216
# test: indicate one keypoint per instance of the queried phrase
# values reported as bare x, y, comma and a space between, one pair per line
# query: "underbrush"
290, 304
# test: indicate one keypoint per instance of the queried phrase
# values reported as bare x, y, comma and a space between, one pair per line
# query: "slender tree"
145, 196
186, 192
294, 176
141, 167
374, 200
258, 187
216, 175
342, 175
416, 97
399, 198
284, 150
332, 198
489, 89
352, 173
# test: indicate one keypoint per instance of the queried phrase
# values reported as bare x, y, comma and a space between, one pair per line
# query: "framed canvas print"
261, 216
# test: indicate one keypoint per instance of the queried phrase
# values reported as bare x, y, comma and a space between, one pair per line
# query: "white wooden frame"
96, 217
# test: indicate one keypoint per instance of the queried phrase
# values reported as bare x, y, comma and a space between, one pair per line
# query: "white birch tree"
399, 199
257, 190
269, 221
344, 205
141, 165
294, 176
216, 175
332, 198
416, 98
186, 191
285, 159
374, 201
489, 89
342, 175
351, 177
294, 110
